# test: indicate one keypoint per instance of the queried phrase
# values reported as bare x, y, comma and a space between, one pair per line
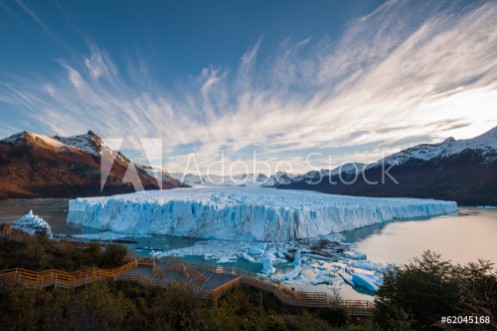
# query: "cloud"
33, 16
403, 74
36, 19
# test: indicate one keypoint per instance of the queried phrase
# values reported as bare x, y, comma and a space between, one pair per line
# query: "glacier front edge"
261, 214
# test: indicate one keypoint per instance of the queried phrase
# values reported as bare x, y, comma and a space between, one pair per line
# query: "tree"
418, 294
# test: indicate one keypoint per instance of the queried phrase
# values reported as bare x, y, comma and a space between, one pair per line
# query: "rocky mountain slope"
461, 170
33, 165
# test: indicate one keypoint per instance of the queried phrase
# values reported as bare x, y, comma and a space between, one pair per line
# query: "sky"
290, 86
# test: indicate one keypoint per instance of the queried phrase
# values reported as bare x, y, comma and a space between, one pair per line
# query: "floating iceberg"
33, 224
370, 282
106, 236
248, 258
367, 265
227, 259
261, 214
356, 255
257, 249
297, 267
347, 278
267, 264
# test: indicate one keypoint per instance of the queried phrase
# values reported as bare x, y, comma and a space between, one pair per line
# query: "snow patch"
49, 141
12, 139
83, 142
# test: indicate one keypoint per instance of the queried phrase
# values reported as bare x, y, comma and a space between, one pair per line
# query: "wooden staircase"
286, 295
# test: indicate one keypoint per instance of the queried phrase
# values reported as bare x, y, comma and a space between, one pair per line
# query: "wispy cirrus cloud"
401, 75
33, 16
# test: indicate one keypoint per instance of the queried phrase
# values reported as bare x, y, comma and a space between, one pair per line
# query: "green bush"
337, 315
39, 253
121, 305
418, 294
112, 256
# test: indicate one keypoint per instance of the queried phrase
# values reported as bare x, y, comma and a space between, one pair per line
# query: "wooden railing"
59, 278
195, 274
158, 272
146, 281
176, 264
133, 255
220, 291
285, 294
146, 262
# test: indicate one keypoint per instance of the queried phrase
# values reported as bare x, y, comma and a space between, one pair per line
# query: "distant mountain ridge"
34, 165
461, 170
280, 177
485, 144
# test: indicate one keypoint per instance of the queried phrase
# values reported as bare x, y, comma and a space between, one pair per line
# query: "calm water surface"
462, 238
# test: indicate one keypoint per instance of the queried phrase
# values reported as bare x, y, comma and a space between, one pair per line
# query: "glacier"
251, 214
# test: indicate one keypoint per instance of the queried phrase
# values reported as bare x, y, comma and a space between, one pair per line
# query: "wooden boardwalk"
288, 295
208, 281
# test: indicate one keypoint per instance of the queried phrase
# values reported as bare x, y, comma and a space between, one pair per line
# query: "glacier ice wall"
262, 214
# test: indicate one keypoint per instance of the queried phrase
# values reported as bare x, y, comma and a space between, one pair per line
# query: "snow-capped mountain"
88, 142
34, 165
460, 170
485, 145
346, 170
280, 177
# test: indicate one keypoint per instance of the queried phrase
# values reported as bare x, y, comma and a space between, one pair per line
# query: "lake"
461, 238
467, 236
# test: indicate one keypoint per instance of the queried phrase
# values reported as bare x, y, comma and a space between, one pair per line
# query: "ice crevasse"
261, 214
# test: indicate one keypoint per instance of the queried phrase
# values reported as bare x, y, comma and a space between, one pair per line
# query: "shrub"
418, 294
337, 315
